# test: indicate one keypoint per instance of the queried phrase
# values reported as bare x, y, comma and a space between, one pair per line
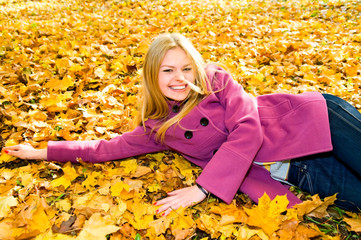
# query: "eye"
188, 69
167, 70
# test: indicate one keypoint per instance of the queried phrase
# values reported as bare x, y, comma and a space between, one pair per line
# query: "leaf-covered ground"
70, 70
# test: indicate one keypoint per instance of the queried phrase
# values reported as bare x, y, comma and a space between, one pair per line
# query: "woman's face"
174, 72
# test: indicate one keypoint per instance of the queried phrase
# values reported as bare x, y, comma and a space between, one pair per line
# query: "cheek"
190, 77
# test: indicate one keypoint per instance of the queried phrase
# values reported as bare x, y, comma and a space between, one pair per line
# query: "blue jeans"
338, 171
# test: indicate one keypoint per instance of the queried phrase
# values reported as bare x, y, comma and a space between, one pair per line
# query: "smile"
178, 87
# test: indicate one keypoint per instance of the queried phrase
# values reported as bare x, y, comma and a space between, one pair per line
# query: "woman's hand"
184, 197
26, 151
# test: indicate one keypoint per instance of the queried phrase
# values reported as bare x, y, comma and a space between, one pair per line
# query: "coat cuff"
224, 174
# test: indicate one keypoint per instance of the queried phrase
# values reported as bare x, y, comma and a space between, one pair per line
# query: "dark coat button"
214, 152
188, 134
204, 121
175, 108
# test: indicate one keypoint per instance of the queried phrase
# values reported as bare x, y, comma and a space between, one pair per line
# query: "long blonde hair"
153, 104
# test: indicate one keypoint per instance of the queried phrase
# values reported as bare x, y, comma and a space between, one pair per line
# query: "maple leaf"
69, 175
246, 233
355, 224
229, 213
63, 84
160, 225
97, 227
6, 158
54, 236
267, 214
315, 207
143, 214
209, 223
31, 217
117, 188
186, 169
5, 204
92, 180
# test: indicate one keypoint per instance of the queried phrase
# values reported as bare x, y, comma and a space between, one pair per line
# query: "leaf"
31, 217
316, 207
355, 224
5, 204
186, 169
117, 188
246, 233
160, 225
69, 175
267, 214
97, 227
229, 213
63, 84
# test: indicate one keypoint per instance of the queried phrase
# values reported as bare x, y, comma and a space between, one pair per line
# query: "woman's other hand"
184, 197
26, 151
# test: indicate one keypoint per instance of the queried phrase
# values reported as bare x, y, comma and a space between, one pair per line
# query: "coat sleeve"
225, 172
129, 144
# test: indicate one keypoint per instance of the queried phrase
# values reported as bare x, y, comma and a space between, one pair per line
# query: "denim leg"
345, 125
325, 175
338, 171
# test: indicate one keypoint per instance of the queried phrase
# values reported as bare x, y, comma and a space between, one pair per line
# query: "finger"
164, 200
12, 153
9, 148
178, 191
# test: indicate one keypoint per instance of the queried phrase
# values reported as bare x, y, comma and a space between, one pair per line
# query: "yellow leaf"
141, 171
267, 214
185, 168
230, 213
6, 158
143, 214
92, 180
57, 84
354, 223
97, 227
314, 207
118, 210
182, 219
160, 225
154, 187
117, 188
209, 224
246, 233
31, 217
129, 166
63, 205
62, 64
54, 236
69, 175
5, 204
75, 68
100, 72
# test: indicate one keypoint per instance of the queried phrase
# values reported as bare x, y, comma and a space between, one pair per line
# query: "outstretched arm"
26, 151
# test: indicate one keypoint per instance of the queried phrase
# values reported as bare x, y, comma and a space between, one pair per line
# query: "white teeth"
178, 87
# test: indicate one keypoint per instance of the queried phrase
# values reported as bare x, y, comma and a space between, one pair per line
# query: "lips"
179, 87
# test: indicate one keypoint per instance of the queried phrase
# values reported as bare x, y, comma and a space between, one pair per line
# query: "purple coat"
224, 134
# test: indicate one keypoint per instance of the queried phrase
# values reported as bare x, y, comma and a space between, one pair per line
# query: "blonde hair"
153, 103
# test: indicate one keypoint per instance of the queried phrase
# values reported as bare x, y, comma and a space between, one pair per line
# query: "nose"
179, 75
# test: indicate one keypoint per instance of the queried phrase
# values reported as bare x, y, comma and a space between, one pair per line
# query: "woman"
202, 113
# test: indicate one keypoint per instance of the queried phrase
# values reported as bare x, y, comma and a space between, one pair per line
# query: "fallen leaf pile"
70, 70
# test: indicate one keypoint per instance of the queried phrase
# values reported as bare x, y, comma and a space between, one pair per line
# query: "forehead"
176, 56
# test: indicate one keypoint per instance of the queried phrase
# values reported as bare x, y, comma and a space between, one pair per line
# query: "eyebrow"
170, 66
